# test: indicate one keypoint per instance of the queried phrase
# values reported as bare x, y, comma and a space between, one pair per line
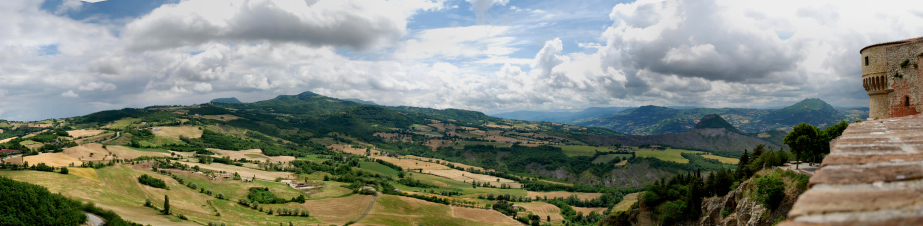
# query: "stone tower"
891, 76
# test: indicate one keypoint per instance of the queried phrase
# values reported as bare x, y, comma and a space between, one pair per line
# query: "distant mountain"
710, 133
647, 120
230, 100
559, 116
361, 101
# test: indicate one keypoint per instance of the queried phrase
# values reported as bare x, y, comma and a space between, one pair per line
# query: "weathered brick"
832, 160
830, 201
855, 175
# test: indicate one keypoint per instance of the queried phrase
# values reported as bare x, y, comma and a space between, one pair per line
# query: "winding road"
117, 134
94, 220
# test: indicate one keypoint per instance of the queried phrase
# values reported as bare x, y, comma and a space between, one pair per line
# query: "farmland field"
544, 210
564, 194
463, 176
52, 159
723, 159
84, 133
625, 204
586, 211
399, 210
570, 150
378, 168
670, 154
122, 123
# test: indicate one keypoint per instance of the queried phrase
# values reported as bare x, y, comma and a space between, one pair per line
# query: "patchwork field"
123, 152
467, 177
177, 131
252, 154
399, 210
723, 159
564, 194
243, 171
84, 133
670, 154
609, 157
571, 150
88, 152
52, 159
544, 210
335, 210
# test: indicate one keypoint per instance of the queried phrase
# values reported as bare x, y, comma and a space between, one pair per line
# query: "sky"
65, 58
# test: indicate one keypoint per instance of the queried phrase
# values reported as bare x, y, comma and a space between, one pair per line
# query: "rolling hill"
712, 132
647, 120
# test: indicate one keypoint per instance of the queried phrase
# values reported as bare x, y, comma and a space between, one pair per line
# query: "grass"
609, 157
394, 210
313, 158
571, 150
88, 173
122, 123
378, 168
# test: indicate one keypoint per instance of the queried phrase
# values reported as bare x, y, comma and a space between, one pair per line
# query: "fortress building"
892, 77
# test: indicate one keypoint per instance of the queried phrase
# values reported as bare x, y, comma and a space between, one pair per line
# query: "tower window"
906, 101
866, 61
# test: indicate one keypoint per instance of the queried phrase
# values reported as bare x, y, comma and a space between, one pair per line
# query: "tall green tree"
804, 140
166, 204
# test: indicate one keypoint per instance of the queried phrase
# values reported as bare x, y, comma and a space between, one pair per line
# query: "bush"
153, 182
64, 170
770, 190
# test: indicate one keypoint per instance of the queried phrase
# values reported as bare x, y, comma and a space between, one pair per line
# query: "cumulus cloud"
70, 94
202, 87
358, 25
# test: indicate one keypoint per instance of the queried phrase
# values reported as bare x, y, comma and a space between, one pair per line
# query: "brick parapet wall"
872, 176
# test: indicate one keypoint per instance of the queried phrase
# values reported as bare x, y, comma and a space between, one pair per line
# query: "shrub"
153, 182
770, 190
725, 212
64, 170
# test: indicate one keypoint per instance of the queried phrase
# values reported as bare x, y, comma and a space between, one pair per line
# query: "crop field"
544, 210
95, 138
412, 163
670, 154
399, 210
625, 204
443, 161
176, 131
252, 154
52, 159
378, 168
88, 152
243, 171
7, 140
609, 157
334, 210
571, 150
564, 194
723, 159
84, 133
123, 152
463, 176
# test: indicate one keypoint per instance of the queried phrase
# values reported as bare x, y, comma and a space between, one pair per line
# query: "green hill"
230, 100
715, 121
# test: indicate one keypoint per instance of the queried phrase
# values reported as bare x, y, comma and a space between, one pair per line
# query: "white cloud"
480, 8
202, 87
97, 86
456, 42
70, 94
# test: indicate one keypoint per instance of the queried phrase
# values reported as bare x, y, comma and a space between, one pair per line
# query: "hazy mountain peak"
715, 121
230, 100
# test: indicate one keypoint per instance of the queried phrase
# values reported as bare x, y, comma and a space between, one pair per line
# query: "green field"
609, 157
671, 154
723, 159
122, 123
378, 168
313, 158
571, 150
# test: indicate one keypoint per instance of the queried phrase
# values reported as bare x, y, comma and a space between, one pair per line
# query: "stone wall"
908, 83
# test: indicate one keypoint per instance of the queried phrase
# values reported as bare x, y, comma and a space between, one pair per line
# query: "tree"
64, 170
804, 140
166, 204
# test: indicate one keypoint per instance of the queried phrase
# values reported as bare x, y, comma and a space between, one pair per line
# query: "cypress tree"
166, 204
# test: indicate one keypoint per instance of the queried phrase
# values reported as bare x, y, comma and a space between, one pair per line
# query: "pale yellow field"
563, 194
723, 159
52, 159
467, 177
627, 201
7, 140
84, 133
543, 210
123, 152
409, 163
252, 154
443, 161
244, 172
586, 211
82, 152
482, 215
336, 210
88, 173
177, 131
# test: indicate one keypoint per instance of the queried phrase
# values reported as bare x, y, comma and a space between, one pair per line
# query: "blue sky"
64, 58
